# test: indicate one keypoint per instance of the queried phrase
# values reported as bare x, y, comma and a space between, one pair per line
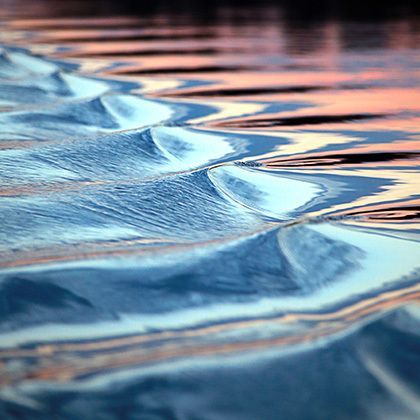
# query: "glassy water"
210, 214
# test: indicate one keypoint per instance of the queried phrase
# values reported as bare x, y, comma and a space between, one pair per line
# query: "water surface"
209, 215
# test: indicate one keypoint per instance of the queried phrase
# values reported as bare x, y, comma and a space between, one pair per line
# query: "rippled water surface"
208, 215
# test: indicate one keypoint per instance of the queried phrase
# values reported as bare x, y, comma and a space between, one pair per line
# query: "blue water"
225, 227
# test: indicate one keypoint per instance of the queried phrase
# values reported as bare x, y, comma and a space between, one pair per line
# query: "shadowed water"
210, 213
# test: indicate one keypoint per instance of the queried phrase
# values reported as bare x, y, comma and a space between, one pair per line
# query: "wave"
220, 222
